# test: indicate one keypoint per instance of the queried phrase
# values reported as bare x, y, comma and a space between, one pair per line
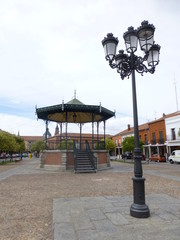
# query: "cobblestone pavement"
33, 203
107, 217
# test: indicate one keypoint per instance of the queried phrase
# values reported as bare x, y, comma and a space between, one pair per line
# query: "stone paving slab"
108, 218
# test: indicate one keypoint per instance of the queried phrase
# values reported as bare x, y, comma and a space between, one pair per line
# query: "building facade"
172, 124
118, 139
160, 137
155, 147
29, 140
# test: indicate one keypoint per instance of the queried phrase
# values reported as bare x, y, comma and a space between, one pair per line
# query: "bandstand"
80, 154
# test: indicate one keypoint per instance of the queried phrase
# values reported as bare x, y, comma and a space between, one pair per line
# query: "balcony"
157, 141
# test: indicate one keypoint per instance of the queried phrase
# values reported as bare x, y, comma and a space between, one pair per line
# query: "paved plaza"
41, 204
105, 218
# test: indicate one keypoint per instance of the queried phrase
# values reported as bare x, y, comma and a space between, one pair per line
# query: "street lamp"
126, 64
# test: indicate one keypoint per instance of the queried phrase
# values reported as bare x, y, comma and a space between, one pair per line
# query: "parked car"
15, 155
25, 155
127, 155
157, 158
174, 157
113, 158
2, 155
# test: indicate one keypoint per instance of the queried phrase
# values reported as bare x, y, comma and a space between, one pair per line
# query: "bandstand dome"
74, 111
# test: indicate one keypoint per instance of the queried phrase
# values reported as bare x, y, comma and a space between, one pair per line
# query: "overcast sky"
49, 48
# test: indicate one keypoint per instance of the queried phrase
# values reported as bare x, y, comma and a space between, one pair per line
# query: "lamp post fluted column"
126, 65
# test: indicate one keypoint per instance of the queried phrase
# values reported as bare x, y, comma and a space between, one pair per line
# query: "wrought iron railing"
68, 145
91, 156
75, 155
99, 145
157, 141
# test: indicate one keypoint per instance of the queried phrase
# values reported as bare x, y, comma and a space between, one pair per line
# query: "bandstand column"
66, 131
104, 134
98, 135
46, 133
60, 134
92, 130
80, 135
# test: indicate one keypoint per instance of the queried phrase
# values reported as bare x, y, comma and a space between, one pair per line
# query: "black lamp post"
126, 64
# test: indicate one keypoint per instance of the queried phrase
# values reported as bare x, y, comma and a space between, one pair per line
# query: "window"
161, 140
154, 138
173, 134
145, 138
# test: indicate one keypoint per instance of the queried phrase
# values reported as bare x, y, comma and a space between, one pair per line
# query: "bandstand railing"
68, 144
91, 156
75, 155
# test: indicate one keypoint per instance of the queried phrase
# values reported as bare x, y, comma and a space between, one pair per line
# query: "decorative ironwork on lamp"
125, 63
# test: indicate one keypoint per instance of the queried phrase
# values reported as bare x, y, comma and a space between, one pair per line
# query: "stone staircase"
83, 163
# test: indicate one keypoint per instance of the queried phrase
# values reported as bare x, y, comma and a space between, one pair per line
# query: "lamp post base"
139, 209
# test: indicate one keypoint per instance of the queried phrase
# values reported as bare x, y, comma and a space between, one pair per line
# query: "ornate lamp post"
126, 64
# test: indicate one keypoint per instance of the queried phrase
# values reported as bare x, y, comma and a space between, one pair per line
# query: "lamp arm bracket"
140, 67
125, 67
111, 62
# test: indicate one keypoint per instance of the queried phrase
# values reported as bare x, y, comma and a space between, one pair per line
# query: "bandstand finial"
75, 94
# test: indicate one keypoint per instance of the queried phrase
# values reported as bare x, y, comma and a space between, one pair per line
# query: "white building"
173, 132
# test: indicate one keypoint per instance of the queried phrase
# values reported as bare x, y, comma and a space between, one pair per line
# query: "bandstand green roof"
74, 111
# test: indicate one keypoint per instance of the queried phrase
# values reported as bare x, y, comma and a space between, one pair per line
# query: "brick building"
29, 140
118, 138
157, 137
157, 143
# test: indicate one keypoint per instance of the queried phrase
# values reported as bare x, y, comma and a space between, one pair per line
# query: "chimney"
164, 115
128, 127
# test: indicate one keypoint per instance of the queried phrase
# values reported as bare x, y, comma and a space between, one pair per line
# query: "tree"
20, 144
62, 145
128, 144
38, 146
8, 142
110, 145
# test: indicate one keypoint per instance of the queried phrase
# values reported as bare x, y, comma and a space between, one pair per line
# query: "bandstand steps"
83, 163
